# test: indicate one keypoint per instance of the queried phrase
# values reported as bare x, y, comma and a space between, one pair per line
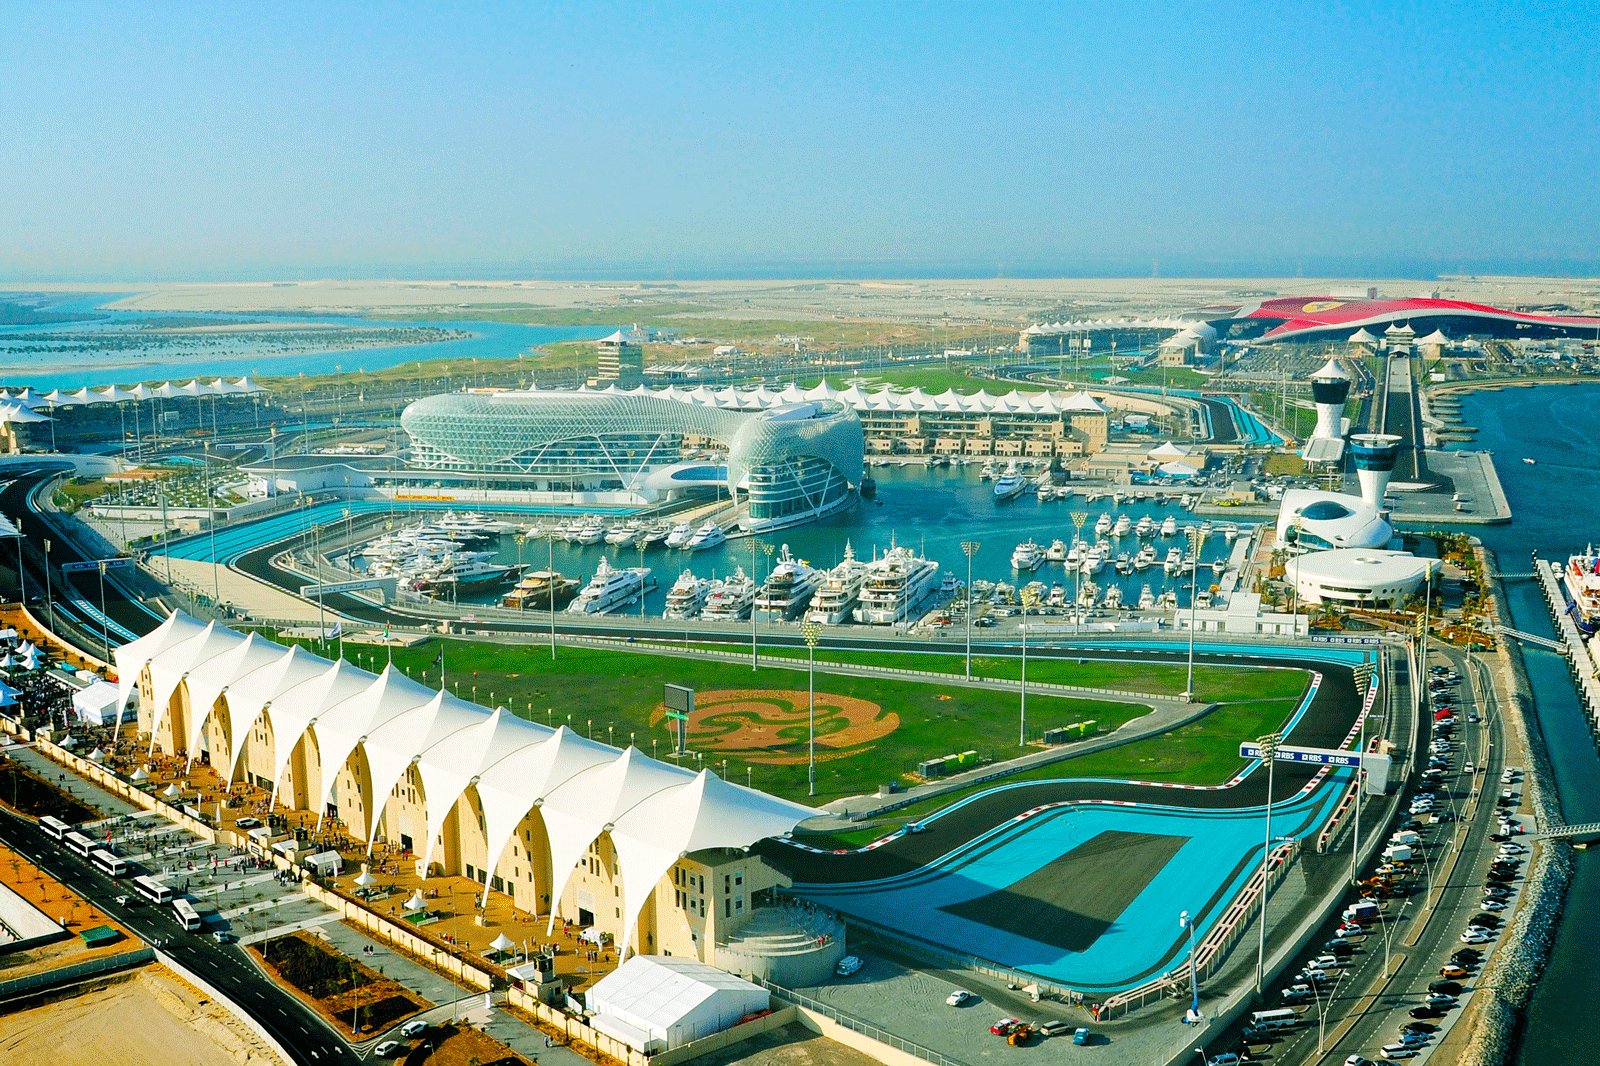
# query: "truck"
1406, 836
1364, 911
1398, 853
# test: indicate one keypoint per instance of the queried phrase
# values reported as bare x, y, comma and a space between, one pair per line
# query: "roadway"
306, 1037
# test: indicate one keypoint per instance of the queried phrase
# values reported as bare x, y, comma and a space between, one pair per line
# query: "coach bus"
55, 827
115, 865
152, 890
79, 843
188, 917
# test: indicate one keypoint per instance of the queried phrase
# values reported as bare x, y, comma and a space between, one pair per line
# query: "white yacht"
1145, 559
787, 589
1102, 525
1026, 556
612, 587
839, 592
1219, 566
1147, 599
1094, 560
687, 596
592, 531
623, 534
680, 534
707, 536
1009, 485
1088, 593
896, 587
730, 599
1057, 552
1146, 526
1203, 599
987, 472
1123, 526
1113, 599
1168, 600
1169, 526
1174, 560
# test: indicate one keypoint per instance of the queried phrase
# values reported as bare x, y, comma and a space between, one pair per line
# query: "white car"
959, 997
1511, 847
1475, 936
1492, 904
1398, 1051
389, 1049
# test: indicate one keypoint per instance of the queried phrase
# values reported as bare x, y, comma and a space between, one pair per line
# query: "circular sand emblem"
769, 726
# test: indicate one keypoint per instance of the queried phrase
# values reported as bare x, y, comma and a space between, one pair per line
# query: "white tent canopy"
655, 812
98, 704
656, 1002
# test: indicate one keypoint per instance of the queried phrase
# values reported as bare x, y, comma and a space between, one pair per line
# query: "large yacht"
591, 531
687, 596
787, 589
707, 536
1027, 556
1581, 576
1009, 485
896, 587
679, 536
1169, 526
612, 587
539, 588
839, 592
729, 599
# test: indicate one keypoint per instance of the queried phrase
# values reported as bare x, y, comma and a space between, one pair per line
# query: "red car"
1004, 1026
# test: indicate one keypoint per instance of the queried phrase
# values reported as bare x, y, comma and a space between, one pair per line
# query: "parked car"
960, 997
1004, 1026
413, 1029
1051, 1028
389, 1049
1475, 936
1426, 1012
1448, 971
847, 966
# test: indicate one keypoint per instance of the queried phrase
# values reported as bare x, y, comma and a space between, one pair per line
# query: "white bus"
79, 843
188, 917
1283, 1018
152, 890
112, 864
55, 827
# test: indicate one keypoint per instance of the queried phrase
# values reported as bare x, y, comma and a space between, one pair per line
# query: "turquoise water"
1556, 512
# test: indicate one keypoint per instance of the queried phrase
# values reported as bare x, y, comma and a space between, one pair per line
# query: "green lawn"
1205, 752
611, 694
1212, 683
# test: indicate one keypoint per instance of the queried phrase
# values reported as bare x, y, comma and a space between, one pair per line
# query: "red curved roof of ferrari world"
1308, 314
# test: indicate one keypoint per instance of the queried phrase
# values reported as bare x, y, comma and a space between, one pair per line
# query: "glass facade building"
791, 463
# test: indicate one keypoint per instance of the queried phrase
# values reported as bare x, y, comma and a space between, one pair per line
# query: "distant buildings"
621, 358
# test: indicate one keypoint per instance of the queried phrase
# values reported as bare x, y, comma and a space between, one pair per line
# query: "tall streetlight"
105, 621
1187, 924
550, 585
1029, 600
811, 631
1269, 754
969, 548
1197, 542
49, 596
756, 544
1078, 519
22, 580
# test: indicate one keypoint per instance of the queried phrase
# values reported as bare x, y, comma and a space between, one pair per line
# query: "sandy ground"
999, 300
150, 1017
792, 1045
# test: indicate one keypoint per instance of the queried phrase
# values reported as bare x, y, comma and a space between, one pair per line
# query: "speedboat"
1219, 566
1026, 556
707, 536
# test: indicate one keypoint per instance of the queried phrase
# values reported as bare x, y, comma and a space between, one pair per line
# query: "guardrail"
854, 1024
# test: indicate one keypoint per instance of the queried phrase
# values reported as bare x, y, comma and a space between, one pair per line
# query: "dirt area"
341, 990
62, 905
148, 1016
791, 1045
450, 1046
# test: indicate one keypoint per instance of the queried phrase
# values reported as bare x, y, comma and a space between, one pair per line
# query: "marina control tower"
1374, 455
1330, 387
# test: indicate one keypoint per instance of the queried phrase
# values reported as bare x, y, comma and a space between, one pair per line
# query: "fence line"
851, 1022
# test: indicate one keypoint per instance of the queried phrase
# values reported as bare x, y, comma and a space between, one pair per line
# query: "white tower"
1330, 387
1374, 455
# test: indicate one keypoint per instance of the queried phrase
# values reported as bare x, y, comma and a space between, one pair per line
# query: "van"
413, 1029
1405, 836
1055, 1026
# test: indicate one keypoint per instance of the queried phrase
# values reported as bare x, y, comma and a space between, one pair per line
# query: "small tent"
99, 705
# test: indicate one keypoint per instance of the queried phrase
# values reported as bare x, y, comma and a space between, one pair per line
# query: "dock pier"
1585, 669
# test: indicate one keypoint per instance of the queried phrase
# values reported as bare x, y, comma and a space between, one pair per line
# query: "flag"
440, 660
338, 627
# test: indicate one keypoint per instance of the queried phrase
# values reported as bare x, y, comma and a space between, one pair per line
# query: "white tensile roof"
1089, 325
886, 399
1361, 336
1332, 370
1436, 337
1168, 450
654, 1002
655, 812
87, 395
16, 412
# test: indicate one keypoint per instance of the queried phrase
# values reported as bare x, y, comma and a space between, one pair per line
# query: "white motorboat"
1094, 561
1169, 526
1174, 561
1219, 566
1113, 599
1123, 526
1145, 559
611, 588
787, 589
1009, 485
1057, 552
1168, 600
687, 596
680, 535
839, 592
623, 534
592, 531
1147, 599
707, 536
1146, 526
1102, 525
1026, 556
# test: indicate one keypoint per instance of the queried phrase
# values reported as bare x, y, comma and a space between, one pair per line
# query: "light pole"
1078, 519
1197, 541
49, 596
1187, 924
105, 622
22, 580
1029, 599
756, 544
550, 585
969, 548
811, 631
1269, 753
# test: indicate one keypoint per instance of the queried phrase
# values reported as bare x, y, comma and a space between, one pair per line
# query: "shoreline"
1509, 983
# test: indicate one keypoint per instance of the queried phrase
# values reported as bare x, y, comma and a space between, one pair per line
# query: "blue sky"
155, 141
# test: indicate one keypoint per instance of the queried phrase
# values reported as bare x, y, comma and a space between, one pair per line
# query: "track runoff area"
1080, 882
